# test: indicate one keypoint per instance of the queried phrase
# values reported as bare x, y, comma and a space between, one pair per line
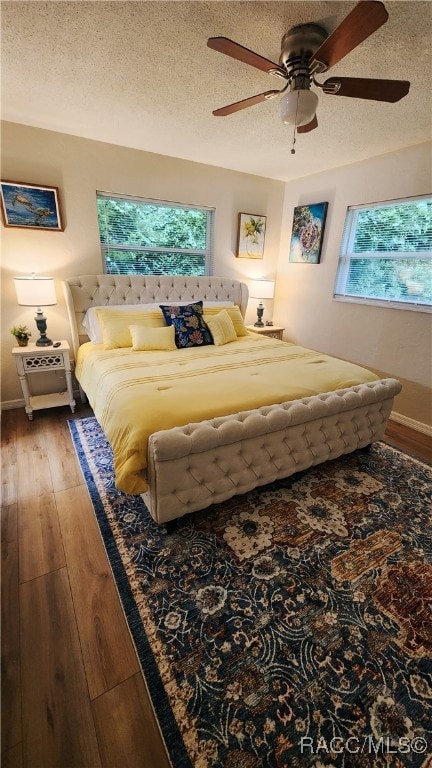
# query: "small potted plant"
22, 334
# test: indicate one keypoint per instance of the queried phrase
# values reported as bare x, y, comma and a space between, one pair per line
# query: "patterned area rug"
288, 627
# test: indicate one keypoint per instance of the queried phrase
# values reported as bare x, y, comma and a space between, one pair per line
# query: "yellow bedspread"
134, 394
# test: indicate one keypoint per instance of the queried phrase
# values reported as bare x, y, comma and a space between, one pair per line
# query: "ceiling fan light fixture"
298, 107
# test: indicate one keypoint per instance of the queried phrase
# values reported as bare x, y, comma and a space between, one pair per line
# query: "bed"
267, 430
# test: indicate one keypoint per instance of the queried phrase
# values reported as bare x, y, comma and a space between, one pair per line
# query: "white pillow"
94, 331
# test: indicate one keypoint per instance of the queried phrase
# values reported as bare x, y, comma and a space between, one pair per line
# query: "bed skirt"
200, 464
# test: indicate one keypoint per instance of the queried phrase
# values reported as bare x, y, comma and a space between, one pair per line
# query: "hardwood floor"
72, 691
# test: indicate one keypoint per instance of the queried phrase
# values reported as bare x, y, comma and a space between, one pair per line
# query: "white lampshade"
35, 291
299, 107
261, 289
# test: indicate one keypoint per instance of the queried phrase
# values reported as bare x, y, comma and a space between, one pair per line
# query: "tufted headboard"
87, 291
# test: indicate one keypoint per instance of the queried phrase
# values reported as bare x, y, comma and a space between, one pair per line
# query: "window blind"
386, 253
141, 236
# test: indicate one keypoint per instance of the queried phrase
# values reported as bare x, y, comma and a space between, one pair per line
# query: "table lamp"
37, 292
261, 289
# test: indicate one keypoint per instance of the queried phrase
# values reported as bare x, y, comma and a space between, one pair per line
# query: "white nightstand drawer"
44, 362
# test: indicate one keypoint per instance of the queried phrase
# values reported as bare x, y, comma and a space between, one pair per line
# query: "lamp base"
43, 341
260, 311
41, 323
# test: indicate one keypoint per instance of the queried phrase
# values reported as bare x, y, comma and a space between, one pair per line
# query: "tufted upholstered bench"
194, 466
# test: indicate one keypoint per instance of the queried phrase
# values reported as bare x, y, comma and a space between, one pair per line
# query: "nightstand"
33, 359
275, 331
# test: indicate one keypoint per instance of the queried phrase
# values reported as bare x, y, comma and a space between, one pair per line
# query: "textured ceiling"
139, 74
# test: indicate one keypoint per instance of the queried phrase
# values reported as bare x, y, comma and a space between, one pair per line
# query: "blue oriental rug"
288, 627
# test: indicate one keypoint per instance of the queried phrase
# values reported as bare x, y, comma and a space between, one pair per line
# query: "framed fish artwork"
30, 206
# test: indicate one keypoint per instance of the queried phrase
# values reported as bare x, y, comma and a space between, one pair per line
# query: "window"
386, 254
147, 237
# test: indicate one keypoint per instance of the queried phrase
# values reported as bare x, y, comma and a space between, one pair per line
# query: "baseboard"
7, 405
417, 426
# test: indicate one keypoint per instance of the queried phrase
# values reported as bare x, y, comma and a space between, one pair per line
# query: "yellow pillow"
233, 312
115, 325
221, 328
146, 339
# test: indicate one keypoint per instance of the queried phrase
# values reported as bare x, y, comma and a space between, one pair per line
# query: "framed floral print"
250, 236
30, 206
307, 233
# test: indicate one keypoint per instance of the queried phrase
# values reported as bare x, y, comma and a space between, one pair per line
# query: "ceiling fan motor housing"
297, 48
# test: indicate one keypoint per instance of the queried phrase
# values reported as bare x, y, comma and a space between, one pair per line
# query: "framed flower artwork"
250, 236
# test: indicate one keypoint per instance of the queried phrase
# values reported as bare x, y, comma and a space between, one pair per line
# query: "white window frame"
207, 253
347, 255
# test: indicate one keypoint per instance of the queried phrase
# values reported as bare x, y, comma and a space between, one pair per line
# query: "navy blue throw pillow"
190, 328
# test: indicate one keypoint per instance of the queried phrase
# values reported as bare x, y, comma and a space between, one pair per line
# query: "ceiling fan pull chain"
295, 124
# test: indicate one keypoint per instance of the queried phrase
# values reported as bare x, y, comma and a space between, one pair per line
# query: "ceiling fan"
308, 50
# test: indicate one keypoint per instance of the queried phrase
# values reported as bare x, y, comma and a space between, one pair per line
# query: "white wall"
79, 167
393, 342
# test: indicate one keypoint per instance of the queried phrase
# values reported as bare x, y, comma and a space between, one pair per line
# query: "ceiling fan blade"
364, 19
237, 51
309, 127
238, 105
367, 88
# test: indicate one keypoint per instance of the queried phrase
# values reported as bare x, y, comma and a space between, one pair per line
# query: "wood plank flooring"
57, 723
72, 691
